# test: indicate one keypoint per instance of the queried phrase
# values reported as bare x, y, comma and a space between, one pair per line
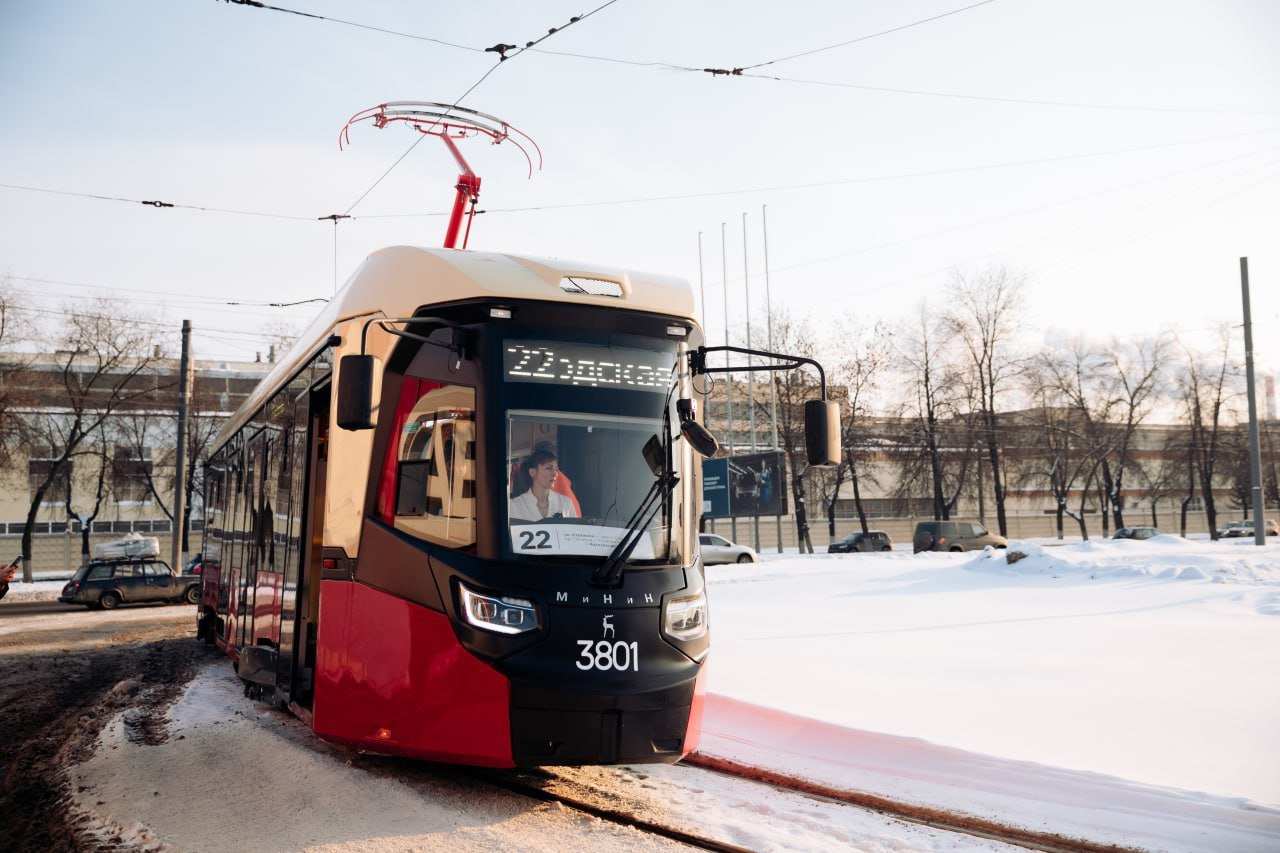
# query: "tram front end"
528, 589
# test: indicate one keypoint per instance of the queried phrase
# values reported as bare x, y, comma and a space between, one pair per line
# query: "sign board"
715, 488
748, 485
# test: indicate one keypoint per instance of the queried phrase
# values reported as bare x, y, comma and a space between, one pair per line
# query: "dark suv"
872, 540
107, 584
954, 536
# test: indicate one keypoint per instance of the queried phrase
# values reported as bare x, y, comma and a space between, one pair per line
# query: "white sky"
221, 105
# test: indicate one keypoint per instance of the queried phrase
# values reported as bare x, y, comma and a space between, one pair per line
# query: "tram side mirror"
698, 436
654, 456
822, 432
355, 392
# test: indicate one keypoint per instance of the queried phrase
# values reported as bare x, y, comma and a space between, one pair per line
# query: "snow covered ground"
1148, 667
46, 590
305, 794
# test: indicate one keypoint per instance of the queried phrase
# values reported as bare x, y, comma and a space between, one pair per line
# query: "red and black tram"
458, 520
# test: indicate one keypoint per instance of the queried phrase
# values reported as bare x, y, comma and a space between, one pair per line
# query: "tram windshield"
575, 478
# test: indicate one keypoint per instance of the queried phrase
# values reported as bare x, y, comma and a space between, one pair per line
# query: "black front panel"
596, 682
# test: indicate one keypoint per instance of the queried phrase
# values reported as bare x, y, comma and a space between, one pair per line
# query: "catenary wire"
356, 24
742, 71
501, 50
836, 182
685, 196
999, 99
211, 301
155, 203
863, 38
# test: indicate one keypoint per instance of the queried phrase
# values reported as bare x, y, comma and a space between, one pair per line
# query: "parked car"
954, 536
716, 549
1136, 533
107, 584
1245, 528
872, 540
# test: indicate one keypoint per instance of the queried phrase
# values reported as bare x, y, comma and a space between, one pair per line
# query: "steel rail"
512, 782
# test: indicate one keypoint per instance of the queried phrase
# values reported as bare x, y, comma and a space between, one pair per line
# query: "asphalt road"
64, 672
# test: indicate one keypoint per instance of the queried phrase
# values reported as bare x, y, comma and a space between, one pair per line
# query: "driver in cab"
538, 498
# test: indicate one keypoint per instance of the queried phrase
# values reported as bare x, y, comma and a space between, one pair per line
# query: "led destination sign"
587, 365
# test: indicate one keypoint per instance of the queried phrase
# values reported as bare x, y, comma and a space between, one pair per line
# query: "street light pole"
773, 388
751, 381
176, 553
1255, 452
728, 385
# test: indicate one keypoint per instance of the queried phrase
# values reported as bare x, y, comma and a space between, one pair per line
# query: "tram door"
301, 595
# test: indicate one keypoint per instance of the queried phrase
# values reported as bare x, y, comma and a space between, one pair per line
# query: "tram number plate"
602, 654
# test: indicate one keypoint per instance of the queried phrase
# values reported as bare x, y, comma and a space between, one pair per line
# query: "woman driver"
540, 500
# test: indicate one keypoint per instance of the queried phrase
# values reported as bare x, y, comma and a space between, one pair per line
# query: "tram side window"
428, 483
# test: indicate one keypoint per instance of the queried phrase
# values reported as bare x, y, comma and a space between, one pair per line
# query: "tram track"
926, 816
536, 784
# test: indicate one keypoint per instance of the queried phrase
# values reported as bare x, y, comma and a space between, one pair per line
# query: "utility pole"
176, 554
728, 386
1255, 452
773, 388
751, 380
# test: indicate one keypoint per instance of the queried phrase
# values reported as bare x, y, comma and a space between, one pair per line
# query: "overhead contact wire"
502, 51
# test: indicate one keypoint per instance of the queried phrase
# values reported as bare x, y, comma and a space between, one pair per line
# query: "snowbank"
34, 591
1150, 662
1164, 556
1088, 806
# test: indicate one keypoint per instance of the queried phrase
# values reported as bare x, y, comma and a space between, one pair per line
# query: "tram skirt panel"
391, 677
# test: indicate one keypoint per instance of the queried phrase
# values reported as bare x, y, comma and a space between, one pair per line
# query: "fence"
55, 550
900, 529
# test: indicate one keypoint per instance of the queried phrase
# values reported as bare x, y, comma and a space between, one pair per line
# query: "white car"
716, 549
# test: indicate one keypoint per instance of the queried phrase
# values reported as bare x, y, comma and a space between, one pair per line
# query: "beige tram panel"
396, 282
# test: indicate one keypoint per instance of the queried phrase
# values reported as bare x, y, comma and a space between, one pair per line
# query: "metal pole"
176, 554
751, 380
1255, 452
773, 388
702, 294
728, 385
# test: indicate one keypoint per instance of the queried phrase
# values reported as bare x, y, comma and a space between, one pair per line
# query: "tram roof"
396, 281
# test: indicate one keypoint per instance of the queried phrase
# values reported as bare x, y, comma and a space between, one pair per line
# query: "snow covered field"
1148, 662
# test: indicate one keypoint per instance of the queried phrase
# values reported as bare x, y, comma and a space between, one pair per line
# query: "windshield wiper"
637, 526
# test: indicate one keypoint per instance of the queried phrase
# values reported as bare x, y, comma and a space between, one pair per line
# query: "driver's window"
978, 530
153, 570
429, 480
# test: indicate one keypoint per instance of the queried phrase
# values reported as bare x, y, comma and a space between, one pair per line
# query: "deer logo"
607, 626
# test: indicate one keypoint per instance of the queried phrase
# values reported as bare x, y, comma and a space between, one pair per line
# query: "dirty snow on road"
1138, 663
235, 775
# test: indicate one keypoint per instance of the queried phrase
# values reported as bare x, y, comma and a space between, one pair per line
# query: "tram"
458, 520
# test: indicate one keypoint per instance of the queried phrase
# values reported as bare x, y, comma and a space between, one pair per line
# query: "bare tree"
1067, 456
931, 448
100, 487
146, 430
99, 369
1136, 374
858, 373
13, 331
983, 318
1205, 390
793, 388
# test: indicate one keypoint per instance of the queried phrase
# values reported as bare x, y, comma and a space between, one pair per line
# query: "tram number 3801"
602, 654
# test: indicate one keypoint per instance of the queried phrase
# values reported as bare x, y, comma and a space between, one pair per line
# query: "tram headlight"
504, 615
685, 616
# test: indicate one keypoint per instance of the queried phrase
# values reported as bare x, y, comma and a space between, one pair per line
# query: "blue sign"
715, 488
